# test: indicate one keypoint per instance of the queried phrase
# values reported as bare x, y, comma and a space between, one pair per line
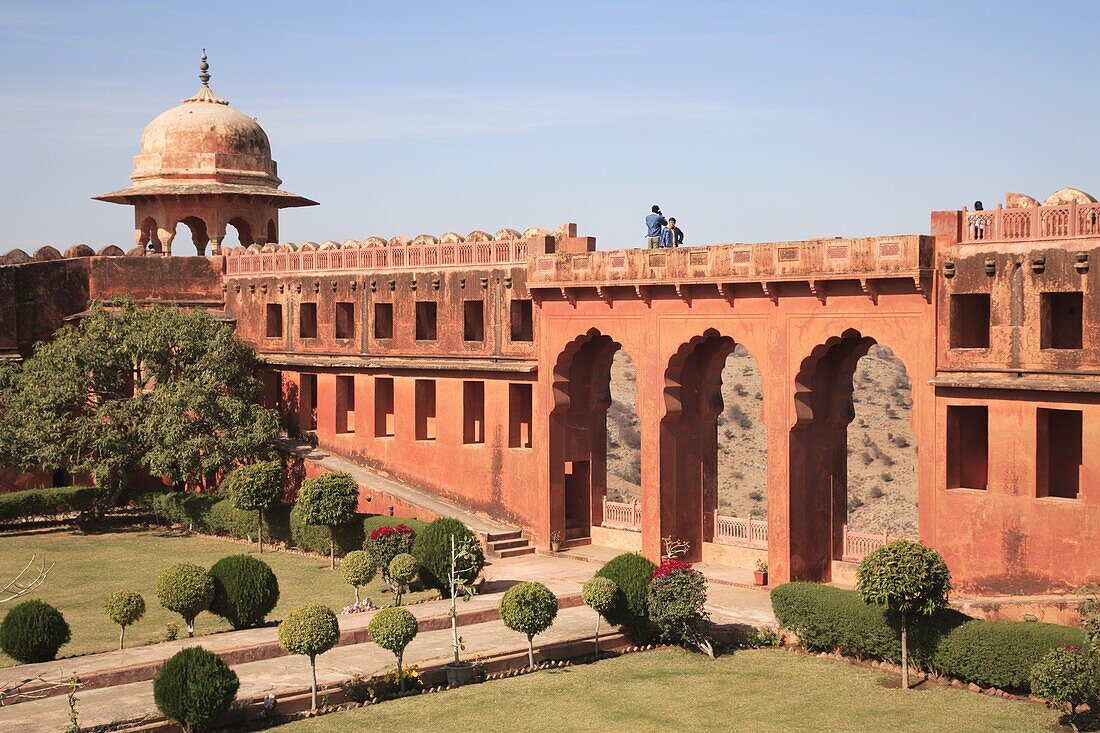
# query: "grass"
87, 567
672, 690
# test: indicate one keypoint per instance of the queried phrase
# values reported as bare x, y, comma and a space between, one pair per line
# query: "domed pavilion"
208, 166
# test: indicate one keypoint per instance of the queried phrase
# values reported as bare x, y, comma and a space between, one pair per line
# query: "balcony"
1034, 223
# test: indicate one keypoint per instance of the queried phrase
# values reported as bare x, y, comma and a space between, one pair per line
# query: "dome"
204, 140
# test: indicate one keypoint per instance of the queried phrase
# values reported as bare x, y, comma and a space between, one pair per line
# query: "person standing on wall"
653, 223
671, 236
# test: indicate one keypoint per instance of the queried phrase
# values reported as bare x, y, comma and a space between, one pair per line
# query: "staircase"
508, 544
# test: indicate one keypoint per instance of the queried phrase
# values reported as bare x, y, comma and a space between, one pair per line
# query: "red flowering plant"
677, 594
385, 543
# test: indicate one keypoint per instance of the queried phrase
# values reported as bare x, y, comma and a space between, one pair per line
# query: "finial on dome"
205, 94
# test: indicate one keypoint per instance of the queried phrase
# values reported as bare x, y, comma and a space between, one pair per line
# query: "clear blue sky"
747, 121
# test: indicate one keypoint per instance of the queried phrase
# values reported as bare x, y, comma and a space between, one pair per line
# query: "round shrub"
631, 573
432, 550
1067, 676
194, 688
529, 608
677, 595
999, 653
392, 629
310, 629
187, 590
124, 607
254, 486
225, 519
403, 568
357, 569
599, 594
245, 590
33, 631
386, 542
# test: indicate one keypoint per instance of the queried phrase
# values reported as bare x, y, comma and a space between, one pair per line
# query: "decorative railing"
427, 256
1065, 221
744, 531
622, 515
858, 545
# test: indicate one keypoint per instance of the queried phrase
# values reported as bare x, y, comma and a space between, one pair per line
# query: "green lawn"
87, 567
671, 690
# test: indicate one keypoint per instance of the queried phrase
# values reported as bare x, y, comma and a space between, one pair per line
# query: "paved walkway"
279, 675
375, 480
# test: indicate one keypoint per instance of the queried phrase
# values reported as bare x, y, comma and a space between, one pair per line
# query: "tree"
402, 569
908, 578
466, 561
599, 594
329, 500
311, 629
253, 488
162, 389
186, 589
357, 569
393, 629
529, 608
124, 607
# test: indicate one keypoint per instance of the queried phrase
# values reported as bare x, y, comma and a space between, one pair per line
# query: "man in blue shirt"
653, 224
671, 236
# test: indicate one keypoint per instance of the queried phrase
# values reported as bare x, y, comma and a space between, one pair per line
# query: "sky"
747, 121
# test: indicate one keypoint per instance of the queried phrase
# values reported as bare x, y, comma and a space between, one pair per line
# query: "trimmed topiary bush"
124, 607
195, 688
254, 488
21, 506
1067, 677
329, 500
402, 572
312, 538
529, 608
988, 653
677, 596
245, 590
186, 589
432, 550
225, 519
311, 629
33, 631
357, 569
631, 573
909, 579
393, 629
600, 595
183, 507
387, 542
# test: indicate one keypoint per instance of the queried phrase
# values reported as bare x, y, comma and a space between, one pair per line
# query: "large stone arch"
200, 232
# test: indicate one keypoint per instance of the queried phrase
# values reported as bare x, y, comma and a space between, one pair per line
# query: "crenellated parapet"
49, 253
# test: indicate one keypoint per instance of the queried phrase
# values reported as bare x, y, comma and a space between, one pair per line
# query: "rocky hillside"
882, 454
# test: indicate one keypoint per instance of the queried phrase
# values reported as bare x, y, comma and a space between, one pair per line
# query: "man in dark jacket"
671, 236
653, 224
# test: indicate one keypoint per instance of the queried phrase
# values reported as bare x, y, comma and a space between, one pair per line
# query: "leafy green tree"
908, 578
125, 608
310, 629
329, 500
163, 389
255, 487
357, 569
529, 608
601, 595
393, 629
186, 589
403, 569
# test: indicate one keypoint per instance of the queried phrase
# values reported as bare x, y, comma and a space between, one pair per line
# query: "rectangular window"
383, 407
473, 412
308, 401
1060, 320
523, 327
425, 409
345, 320
970, 321
345, 404
307, 320
967, 447
274, 323
473, 320
519, 415
425, 320
1058, 453
383, 320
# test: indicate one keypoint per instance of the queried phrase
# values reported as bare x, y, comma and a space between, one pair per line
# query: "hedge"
223, 517
315, 538
21, 506
988, 653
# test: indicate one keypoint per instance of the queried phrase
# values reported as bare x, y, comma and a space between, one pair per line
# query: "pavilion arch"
200, 233
272, 231
580, 383
147, 234
818, 453
244, 230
